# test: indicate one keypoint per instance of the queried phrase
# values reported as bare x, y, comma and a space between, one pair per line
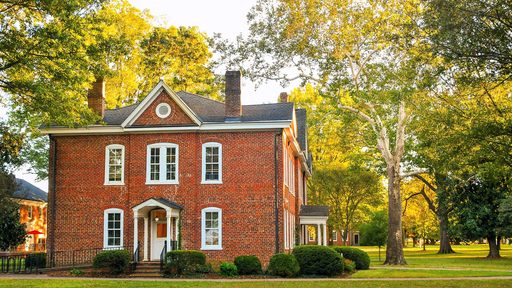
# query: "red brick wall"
177, 116
246, 196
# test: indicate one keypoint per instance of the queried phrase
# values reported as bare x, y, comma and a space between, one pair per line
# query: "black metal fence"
22, 262
81, 257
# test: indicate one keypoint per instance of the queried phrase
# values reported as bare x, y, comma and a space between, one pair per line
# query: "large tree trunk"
445, 247
494, 252
394, 251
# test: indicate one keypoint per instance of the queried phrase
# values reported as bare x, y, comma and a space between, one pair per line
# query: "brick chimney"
233, 92
284, 97
96, 97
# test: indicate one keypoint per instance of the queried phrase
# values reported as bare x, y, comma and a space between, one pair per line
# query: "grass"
416, 273
302, 284
467, 257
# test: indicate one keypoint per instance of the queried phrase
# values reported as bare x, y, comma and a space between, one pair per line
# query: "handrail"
162, 256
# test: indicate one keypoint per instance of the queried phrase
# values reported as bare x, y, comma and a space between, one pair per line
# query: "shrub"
318, 260
358, 256
349, 266
117, 260
180, 261
247, 265
206, 268
284, 265
228, 269
76, 272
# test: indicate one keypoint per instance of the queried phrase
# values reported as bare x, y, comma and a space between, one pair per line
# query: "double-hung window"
113, 228
162, 163
212, 163
114, 165
211, 229
30, 212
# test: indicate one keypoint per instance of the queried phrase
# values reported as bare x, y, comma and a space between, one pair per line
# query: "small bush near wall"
248, 265
117, 260
284, 265
349, 266
358, 256
318, 260
228, 269
179, 261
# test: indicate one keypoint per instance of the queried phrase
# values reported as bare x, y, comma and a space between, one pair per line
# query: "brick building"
32, 206
184, 171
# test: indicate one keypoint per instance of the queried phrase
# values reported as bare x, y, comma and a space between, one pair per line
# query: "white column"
170, 228
168, 231
146, 227
318, 235
176, 230
325, 234
135, 232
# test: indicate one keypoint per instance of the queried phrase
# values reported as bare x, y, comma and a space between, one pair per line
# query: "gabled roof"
28, 191
161, 200
141, 107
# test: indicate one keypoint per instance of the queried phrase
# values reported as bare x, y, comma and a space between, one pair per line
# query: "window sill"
206, 248
113, 184
163, 183
211, 182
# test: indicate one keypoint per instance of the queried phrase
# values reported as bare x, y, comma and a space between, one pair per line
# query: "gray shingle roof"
302, 129
27, 191
208, 110
314, 210
169, 203
117, 116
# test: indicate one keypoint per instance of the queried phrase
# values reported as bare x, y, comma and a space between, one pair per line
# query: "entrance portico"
161, 213
317, 216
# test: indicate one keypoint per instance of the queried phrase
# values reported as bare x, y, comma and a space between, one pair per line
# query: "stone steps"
147, 270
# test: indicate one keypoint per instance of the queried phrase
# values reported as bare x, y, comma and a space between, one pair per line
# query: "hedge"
117, 260
358, 256
318, 260
284, 265
179, 261
248, 265
228, 269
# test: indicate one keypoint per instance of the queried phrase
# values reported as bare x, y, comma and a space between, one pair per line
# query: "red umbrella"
35, 232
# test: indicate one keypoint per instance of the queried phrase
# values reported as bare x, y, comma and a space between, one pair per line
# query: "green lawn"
417, 273
302, 284
467, 257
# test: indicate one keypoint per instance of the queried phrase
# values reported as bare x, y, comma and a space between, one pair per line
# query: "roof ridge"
261, 104
206, 98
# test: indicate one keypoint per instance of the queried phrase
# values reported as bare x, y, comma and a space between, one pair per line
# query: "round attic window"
163, 110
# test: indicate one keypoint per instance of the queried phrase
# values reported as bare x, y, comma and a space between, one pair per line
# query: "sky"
227, 17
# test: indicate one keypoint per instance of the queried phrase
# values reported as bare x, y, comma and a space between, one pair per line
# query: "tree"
505, 216
375, 232
346, 50
13, 232
471, 34
347, 191
475, 214
47, 59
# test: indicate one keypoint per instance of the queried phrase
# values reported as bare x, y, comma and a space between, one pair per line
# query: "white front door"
158, 233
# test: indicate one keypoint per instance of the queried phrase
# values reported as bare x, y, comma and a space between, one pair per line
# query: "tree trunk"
445, 247
494, 252
394, 250
413, 242
403, 238
499, 242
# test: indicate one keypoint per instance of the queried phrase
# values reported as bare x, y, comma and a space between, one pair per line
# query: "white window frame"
334, 235
163, 165
107, 164
203, 177
286, 242
203, 229
30, 212
105, 226
163, 116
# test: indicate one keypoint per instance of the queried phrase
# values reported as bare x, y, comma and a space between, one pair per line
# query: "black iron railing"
136, 256
162, 256
22, 263
72, 258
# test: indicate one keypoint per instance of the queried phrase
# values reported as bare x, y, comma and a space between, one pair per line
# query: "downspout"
54, 163
275, 185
